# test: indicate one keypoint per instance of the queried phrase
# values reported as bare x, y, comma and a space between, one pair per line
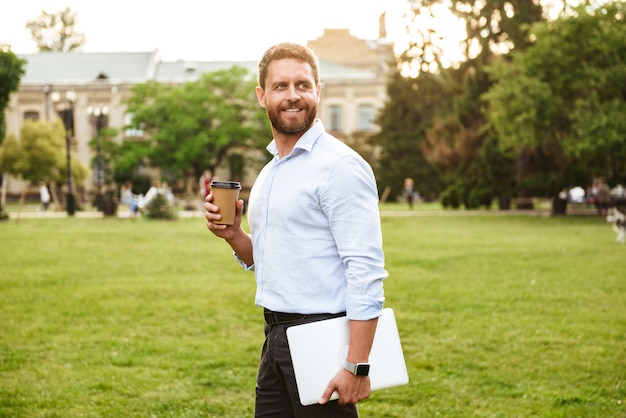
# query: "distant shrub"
3, 215
160, 208
450, 198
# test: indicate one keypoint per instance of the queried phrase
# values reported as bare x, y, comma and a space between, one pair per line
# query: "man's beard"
291, 127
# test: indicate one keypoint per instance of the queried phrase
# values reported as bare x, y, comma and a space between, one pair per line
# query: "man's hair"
287, 50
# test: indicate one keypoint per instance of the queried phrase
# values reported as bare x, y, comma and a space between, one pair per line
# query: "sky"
201, 30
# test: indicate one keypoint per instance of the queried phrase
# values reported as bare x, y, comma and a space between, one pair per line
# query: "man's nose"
292, 93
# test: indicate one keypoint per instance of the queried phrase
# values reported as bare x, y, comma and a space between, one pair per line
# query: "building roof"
183, 71
84, 68
138, 67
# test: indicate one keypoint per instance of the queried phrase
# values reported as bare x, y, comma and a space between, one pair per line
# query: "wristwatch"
358, 369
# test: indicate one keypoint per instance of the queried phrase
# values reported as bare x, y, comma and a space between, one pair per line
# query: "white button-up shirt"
316, 232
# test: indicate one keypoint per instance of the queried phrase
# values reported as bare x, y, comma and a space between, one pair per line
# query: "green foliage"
523, 121
192, 127
565, 96
10, 155
478, 196
43, 154
42, 145
40, 155
56, 31
555, 92
160, 208
11, 71
126, 158
451, 197
472, 195
441, 126
403, 133
499, 316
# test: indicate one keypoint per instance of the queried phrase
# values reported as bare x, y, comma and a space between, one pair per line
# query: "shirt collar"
305, 142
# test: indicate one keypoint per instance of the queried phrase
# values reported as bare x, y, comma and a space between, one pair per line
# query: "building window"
335, 118
366, 118
31, 115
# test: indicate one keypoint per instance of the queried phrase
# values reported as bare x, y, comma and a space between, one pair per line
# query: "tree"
9, 156
444, 111
125, 159
42, 145
565, 97
39, 155
192, 127
56, 31
11, 71
403, 127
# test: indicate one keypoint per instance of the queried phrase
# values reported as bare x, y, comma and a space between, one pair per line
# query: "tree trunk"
5, 184
22, 199
521, 172
55, 196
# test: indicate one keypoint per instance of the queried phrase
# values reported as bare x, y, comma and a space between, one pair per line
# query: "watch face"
362, 369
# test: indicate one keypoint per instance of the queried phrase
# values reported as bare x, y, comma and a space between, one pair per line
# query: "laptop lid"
318, 350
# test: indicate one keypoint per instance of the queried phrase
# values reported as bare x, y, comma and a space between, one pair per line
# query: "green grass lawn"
500, 316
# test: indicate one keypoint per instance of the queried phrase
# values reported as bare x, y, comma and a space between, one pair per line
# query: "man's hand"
351, 388
212, 214
234, 235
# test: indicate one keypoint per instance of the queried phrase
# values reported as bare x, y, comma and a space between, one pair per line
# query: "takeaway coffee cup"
225, 195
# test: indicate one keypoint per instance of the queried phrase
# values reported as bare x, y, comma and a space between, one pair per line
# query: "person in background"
128, 199
167, 191
408, 191
316, 242
44, 195
205, 184
152, 191
603, 197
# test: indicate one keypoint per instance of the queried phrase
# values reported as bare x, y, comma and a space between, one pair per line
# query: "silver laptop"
319, 349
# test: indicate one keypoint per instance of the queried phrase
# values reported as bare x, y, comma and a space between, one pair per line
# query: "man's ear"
260, 95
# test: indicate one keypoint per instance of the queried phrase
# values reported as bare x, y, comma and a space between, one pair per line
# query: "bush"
478, 197
160, 208
3, 215
470, 195
451, 197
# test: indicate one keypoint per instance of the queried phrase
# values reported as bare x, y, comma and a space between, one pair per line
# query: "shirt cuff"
364, 309
244, 265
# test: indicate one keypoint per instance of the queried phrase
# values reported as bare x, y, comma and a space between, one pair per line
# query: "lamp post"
67, 115
99, 114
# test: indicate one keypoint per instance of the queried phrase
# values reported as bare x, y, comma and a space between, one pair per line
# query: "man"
315, 244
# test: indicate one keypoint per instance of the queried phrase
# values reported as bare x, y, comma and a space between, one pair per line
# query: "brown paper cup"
225, 196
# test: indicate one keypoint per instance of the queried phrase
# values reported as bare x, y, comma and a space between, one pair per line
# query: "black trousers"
276, 390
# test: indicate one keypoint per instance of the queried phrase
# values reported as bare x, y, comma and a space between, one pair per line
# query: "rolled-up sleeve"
351, 205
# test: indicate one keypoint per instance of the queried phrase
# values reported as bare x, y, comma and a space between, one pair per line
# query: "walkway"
383, 213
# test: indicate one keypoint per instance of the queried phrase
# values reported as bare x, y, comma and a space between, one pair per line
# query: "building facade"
93, 88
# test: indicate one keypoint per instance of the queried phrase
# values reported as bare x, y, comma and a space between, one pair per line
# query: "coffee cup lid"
226, 184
